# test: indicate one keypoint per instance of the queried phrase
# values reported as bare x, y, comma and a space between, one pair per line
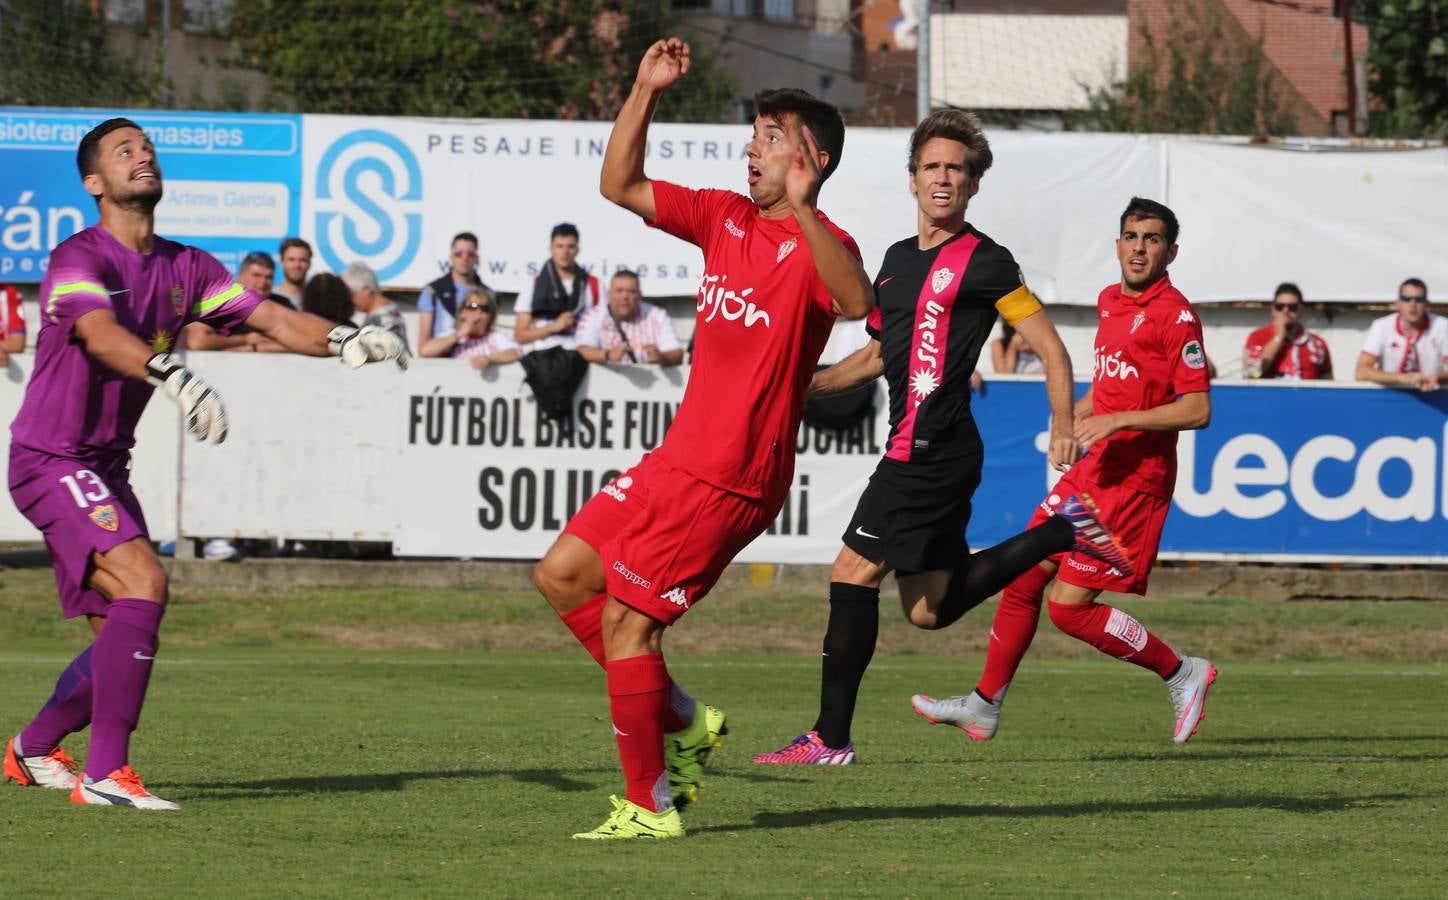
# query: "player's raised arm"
841, 272
312, 335
622, 180
859, 368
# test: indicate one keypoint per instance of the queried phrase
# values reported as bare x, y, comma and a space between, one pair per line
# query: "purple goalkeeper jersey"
75, 405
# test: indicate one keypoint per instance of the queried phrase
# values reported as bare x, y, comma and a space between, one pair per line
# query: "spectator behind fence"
296, 259
438, 302
476, 340
548, 316
627, 330
1011, 354
12, 324
1286, 349
368, 299
1406, 348
255, 274
328, 296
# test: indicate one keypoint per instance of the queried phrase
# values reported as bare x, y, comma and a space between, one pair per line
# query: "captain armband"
1018, 304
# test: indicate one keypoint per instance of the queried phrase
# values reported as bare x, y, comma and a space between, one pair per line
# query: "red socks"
638, 694
1011, 631
1115, 633
586, 623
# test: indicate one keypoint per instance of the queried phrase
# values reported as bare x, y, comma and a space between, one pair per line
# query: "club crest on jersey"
105, 516
178, 300
940, 279
785, 249
1137, 322
1194, 356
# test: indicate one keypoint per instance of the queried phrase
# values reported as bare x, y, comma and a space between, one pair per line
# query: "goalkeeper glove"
370, 343
205, 415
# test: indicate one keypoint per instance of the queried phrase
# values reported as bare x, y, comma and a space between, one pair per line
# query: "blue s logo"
369, 202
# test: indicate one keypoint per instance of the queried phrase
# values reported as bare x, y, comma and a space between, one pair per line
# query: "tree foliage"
1202, 76
1408, 58
566, 59
60, 53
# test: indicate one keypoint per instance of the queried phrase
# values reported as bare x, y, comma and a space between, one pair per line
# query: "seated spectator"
476, 340
328, 296
296, 260
1406, 348
1286, 349
437, 305
12, 324
627, 330
547, 316
1010, 354
368, 299
256, 274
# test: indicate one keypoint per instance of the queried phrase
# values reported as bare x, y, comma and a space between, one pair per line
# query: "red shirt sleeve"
1185, 351
14, 314
686, 213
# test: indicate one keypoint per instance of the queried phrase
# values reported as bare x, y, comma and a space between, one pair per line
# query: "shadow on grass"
1350, 752
380, 781
1210, 802
1330, 739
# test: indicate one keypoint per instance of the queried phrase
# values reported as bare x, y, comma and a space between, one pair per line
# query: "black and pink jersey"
936, 308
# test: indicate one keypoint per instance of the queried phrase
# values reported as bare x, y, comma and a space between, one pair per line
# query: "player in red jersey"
1149, 381
653, 541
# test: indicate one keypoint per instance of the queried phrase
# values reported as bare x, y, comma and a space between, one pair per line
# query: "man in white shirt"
627, 330
1406, 348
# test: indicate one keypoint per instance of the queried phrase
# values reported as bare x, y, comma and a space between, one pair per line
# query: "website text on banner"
231, 181
1307, 473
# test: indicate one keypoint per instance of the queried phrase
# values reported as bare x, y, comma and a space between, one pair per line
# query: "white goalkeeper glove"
370, 343
205, 414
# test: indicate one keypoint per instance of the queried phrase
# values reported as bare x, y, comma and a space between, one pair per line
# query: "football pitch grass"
447, 743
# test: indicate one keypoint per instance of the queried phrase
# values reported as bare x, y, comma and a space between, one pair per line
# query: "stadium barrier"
443, 462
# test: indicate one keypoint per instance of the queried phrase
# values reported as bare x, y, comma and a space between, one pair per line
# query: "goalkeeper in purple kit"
113, 302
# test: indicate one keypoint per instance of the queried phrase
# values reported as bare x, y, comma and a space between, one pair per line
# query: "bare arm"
525, 332
622, 180
1084, 406
842, 274
1039, 331
1186, 413
860, 367
200, 336
438, 346
13, 343
1002, 357
1367, 370
666, 358
298, 332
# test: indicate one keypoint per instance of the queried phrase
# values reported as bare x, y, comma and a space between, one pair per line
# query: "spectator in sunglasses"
1406, 348
1286, 349
475, 340
437, 305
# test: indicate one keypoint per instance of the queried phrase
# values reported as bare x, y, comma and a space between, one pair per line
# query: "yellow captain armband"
1018, 304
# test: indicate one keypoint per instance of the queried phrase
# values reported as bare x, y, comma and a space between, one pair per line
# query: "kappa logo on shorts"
676, 596
632, 577
105, 516
616, 488
1084, 567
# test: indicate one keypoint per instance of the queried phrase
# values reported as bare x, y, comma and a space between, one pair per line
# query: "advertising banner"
1327, 474
231, 181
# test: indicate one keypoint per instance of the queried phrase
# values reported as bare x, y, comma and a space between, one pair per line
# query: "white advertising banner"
486, 476
1343, 226
392, 192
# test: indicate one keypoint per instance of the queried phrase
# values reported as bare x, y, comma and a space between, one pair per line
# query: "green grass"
321, 744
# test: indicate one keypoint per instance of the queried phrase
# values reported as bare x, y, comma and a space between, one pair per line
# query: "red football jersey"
1148, 352
763, 317
1306, 357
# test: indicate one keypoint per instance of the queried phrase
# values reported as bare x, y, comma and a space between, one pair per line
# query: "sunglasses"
1409, 298
478, 306
258, 256
465, 253
1284, 307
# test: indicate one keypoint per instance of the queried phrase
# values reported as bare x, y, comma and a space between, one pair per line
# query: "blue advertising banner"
1283, 472
232, 181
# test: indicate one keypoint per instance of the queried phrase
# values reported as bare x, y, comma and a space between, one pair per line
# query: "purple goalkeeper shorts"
81, 508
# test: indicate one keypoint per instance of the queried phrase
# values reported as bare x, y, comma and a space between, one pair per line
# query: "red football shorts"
1136, 518
665, 537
